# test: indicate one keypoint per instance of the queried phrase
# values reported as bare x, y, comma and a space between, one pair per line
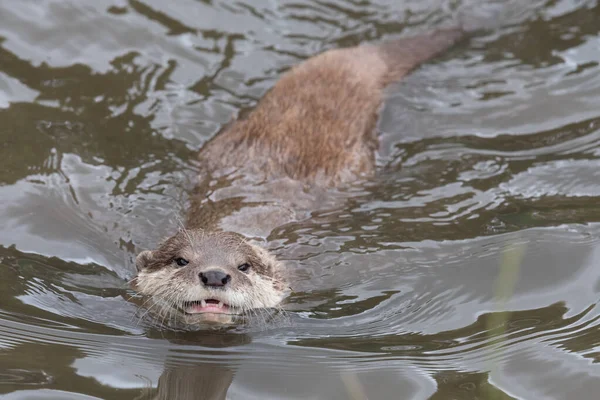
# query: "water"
467, 269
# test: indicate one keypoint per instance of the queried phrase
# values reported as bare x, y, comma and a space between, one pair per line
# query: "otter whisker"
148, 310
162, 296
167, 307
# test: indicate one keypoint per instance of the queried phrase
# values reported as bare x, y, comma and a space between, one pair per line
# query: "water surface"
467, 269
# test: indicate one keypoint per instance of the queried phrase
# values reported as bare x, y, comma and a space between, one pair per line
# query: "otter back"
317, 123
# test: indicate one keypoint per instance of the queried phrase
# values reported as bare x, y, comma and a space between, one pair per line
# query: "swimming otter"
312, 131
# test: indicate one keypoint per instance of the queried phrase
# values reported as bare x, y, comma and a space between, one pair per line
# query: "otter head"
199, 277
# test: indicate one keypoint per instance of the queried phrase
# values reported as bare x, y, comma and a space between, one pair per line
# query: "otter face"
208, 277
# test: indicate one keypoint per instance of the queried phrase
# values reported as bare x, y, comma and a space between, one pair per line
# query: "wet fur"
314, 130
317, 123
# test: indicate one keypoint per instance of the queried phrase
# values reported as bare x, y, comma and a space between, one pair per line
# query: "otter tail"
403, 55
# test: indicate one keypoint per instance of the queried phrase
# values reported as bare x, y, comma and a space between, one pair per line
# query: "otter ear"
142, 260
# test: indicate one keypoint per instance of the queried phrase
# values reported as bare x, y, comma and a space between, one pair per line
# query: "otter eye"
244, 267
182, 262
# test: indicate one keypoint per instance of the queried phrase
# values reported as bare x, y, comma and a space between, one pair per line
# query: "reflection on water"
404, 292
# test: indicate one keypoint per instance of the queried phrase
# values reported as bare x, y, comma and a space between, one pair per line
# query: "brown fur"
317, 124
313, 130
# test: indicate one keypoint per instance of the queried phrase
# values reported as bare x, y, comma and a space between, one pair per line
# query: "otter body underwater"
313, 131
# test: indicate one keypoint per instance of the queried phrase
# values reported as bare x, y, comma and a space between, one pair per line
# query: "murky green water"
468, 269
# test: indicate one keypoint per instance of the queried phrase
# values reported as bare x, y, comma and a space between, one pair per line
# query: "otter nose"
214, 277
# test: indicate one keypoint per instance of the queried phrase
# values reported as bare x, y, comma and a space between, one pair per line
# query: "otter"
314, 131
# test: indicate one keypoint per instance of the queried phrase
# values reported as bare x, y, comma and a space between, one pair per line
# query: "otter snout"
214, 278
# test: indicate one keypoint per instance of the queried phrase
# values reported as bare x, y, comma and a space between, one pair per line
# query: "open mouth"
205, 306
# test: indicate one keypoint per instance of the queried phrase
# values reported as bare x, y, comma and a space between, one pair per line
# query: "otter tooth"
202, 303
220, 304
